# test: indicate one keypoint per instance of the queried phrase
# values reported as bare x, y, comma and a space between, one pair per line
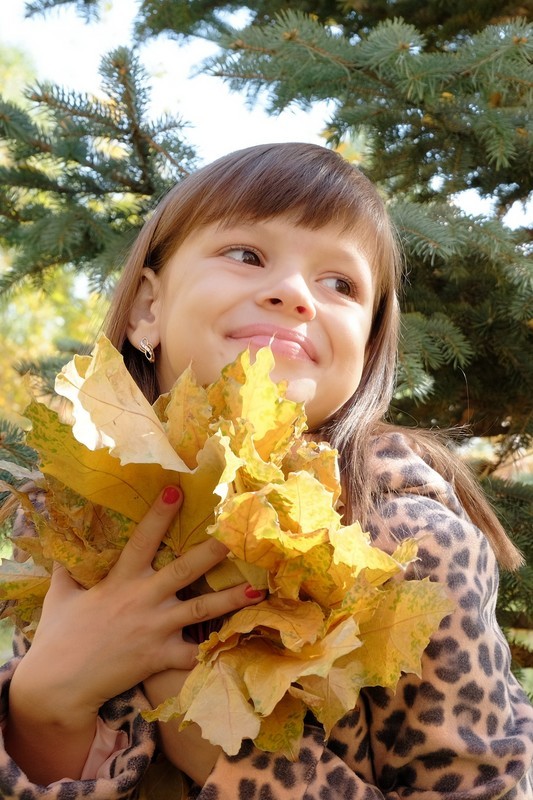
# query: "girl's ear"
144, 315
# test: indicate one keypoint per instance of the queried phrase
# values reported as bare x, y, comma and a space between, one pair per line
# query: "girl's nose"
291, 295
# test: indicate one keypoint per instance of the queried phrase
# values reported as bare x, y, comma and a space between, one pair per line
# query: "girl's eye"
244, 255
341, 285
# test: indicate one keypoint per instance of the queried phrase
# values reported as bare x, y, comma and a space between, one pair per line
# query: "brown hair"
313, 186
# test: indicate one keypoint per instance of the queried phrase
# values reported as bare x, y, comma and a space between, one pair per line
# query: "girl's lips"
283, 341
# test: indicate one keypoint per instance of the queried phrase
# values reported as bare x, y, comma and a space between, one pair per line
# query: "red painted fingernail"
171, 495
252, 593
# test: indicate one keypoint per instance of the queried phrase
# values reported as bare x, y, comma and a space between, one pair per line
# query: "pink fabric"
106, 743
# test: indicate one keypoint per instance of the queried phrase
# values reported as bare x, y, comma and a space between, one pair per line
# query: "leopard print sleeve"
127, 768
464, 729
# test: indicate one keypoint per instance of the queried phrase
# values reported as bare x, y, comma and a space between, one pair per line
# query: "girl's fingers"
215, 604
185, 569
142, 546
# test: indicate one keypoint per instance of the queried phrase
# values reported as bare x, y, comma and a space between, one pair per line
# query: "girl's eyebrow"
343, 256
355, 255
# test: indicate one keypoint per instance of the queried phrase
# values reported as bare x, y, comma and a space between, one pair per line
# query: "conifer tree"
433, 102
80, 174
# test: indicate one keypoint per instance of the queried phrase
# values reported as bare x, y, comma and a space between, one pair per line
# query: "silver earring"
147, 349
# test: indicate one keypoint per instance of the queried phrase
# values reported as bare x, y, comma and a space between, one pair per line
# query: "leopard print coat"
462, 731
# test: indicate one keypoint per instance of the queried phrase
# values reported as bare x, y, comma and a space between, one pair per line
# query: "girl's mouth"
284, 342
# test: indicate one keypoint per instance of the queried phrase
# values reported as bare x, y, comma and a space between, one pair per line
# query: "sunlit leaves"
338, 615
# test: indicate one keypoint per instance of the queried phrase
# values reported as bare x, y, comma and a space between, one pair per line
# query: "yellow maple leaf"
219, 686
281, 732
406, 552
187, 417
394, 639
313, 574
265, 660
96, 475
334, 694
217, 466
249, 526
319, 460
359, 600
111, 411
255, 472
233, 571
303, 505
222, 392
352, 547
291, 623
250, 395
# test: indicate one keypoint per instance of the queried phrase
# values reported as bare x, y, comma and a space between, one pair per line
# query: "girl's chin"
300, 390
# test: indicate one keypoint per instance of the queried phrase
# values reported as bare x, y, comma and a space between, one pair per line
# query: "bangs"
309, 184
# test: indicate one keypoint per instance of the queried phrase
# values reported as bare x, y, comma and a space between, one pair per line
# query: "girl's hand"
93, 644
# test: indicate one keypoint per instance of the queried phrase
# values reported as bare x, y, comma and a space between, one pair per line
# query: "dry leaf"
111, 411
281, 732
399, 631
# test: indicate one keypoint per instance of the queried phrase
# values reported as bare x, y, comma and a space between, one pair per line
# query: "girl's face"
307, 293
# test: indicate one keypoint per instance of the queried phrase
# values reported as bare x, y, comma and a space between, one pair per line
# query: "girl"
288, 244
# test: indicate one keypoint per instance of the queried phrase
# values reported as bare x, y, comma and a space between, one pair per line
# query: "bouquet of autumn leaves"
338, 615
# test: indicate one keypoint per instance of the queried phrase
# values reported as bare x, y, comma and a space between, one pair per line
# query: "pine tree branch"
123, 67
13, 447
16, 125
72, 108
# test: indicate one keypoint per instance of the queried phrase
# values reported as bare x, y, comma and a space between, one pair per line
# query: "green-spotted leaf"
394, 639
